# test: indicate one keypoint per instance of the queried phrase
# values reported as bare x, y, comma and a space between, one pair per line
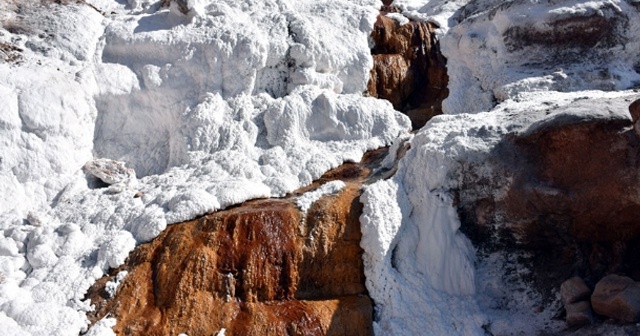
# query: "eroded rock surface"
567, 191
617, 297
409, 70
262, 268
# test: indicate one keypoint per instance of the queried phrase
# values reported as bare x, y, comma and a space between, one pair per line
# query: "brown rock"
569, 199
262, 268
617, 297
634, 109
574, 198
579, 314
574, 290
409, 69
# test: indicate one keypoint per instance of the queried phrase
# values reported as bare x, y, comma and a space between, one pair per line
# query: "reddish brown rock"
262, 268
409, 70
617, 297
579, 314
563, 192
574, 290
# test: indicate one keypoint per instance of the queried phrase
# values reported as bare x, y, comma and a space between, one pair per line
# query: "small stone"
579, 314
110, 171
617, 297
574, 290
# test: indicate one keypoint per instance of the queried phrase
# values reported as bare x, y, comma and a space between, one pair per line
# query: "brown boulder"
579, 314
409, 69
574, 290
617, 297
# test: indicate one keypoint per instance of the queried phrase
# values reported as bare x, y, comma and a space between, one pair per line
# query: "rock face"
617, 297
495, 53
557, 187
409, 70
634, 109
262, 268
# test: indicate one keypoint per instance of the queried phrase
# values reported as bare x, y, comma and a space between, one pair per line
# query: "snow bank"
231, 101
419, 268
516, 47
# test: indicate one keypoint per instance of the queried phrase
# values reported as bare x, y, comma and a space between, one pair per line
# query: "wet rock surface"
261, 268
409, 69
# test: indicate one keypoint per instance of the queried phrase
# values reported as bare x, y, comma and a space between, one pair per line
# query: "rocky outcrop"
617, 297
569, 193
495, 53
409, 69
262, 268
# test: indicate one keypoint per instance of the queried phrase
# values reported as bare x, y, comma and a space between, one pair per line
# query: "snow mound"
505, 49
231, 101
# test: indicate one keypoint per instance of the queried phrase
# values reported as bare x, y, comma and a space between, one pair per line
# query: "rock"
617, 297
261, 268
408, 70
559, 185
574, 290
634, 109
110, 171
579, 314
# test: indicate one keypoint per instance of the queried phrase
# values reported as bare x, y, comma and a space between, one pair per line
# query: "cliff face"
262, 268
408, 69
559, 199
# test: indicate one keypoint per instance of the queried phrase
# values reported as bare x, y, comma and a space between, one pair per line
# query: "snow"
503, 51
306, 200
185, 111
178, 114
420, 269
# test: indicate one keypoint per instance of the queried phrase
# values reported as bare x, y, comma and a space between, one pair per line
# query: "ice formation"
210, 106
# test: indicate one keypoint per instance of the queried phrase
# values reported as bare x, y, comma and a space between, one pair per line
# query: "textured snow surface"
516, 47
306, 200
178, 114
